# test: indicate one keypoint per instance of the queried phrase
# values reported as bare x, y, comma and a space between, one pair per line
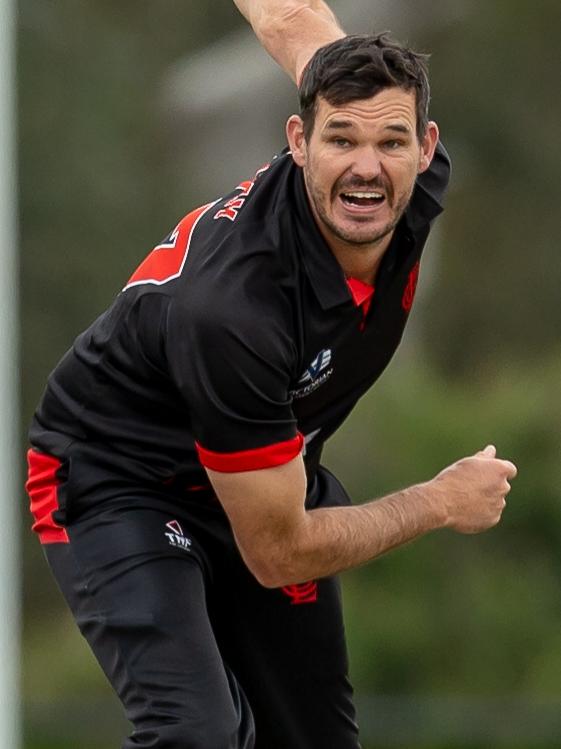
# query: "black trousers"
201, 655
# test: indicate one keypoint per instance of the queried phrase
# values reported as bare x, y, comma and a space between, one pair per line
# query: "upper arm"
231, 352
291, 30
233, 369
266, 511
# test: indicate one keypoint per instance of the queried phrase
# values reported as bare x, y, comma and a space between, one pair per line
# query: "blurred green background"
126, 121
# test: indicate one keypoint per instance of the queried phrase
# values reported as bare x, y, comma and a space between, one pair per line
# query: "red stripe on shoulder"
251, 460
42, 487
166, 260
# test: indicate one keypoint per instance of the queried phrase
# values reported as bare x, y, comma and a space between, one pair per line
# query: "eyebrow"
338, 125
346, 124
398, 128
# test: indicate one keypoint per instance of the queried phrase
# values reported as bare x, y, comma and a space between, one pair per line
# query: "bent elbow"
271, 582
274, 574
267, 574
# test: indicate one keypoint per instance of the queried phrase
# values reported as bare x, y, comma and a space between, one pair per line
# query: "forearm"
291, 30
330, 540
282, 543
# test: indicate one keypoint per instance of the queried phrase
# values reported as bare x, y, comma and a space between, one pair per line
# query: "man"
175, 474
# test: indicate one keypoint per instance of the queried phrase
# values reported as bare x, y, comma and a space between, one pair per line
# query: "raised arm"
291, 30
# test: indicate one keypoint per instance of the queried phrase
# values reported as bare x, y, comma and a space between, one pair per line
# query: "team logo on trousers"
302, 592
318, 372
176, 537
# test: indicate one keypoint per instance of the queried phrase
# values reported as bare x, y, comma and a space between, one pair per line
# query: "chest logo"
318, 372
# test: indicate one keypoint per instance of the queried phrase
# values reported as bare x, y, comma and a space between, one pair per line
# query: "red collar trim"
362, 294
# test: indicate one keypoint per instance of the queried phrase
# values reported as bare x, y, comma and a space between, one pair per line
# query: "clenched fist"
472, 491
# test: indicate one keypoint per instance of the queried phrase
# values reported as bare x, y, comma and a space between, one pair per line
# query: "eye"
393, 145
341, 142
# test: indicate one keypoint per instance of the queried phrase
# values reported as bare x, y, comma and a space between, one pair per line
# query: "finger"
510, 469
488, 452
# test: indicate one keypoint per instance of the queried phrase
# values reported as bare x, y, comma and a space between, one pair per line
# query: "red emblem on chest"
409, 293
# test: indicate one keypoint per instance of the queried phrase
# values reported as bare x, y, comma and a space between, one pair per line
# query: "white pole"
10, 491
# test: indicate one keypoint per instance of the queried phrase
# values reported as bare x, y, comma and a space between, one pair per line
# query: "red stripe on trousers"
42, 487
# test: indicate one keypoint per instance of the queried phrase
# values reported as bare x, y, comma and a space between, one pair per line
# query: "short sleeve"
231, 357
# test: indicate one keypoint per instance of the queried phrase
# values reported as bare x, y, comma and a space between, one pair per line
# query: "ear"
428, 146
296, 139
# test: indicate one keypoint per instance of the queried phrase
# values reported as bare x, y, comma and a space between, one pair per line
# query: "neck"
359, 261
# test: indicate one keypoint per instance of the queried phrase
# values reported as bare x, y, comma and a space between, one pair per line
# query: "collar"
423, 207
323, 270
430, 188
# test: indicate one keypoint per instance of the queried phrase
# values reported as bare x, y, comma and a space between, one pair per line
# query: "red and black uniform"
235, 345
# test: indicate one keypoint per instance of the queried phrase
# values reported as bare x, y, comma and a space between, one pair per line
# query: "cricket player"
175, 466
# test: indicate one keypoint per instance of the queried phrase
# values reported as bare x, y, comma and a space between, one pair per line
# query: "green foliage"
452, 613
494, 78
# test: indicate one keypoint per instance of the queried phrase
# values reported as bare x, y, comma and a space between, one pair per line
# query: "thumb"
488, 452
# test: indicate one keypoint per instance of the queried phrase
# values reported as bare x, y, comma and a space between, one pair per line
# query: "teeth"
371, 195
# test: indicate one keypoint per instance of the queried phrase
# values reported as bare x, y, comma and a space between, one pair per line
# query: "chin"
363, 235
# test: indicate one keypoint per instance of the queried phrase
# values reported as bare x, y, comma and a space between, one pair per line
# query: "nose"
367, 163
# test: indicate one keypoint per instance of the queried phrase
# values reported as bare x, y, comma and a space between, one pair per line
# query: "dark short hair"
359, 67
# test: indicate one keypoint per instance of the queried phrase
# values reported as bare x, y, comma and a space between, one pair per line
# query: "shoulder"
249, 221
236, 307
243, 255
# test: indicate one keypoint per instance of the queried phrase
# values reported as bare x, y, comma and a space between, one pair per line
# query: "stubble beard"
319, 200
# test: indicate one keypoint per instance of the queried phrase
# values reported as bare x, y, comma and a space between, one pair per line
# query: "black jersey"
237, 343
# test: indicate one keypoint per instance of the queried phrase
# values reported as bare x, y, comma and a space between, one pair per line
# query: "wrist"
432, 497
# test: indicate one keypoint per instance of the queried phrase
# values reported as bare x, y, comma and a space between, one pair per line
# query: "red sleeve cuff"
251, 460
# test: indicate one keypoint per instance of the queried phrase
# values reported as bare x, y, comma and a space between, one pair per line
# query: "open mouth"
355, 199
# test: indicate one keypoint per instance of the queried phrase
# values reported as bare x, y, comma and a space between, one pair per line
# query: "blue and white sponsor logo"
321, 361
315, 375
